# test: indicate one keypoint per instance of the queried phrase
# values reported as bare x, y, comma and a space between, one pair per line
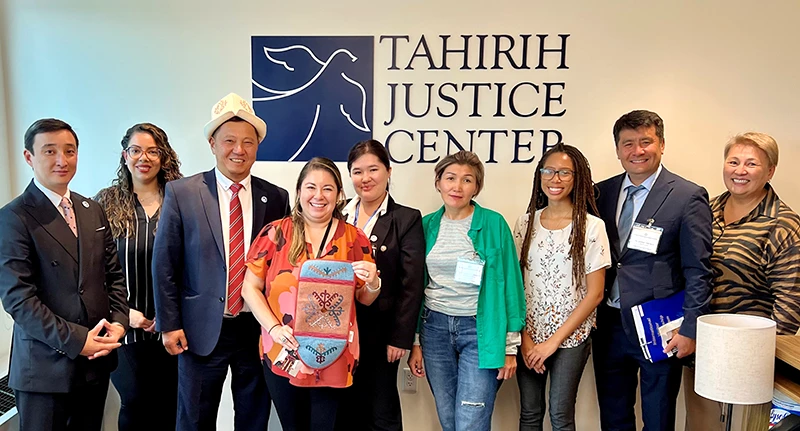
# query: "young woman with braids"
147, 376
563, 255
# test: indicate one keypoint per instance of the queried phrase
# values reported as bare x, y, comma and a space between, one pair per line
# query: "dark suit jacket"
399, 245
56, 287
682, 261
189, 269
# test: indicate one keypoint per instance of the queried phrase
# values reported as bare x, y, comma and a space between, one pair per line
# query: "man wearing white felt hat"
231, 106
207, 224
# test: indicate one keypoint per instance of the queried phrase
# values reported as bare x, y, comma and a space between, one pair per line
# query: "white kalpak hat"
231, 106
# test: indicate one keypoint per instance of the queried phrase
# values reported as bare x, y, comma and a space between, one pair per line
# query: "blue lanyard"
358, 211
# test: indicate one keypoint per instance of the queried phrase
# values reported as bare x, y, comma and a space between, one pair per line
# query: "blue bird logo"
315, 93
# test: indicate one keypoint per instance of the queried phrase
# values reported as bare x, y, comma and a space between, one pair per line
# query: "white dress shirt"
350, 213
55, 198
224, 195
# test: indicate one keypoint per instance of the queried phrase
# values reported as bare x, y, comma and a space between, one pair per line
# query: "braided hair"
583, 203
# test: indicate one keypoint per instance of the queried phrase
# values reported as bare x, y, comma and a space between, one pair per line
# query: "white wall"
711, 69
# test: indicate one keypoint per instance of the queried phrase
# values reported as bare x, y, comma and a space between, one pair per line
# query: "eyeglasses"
563, 174
135, 152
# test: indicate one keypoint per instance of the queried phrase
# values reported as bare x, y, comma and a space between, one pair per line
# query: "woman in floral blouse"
304, 397
563, 254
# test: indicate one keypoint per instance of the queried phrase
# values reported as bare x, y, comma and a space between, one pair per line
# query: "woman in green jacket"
474, 307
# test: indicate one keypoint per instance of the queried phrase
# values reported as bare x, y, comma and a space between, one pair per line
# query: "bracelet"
370, 289
273, 327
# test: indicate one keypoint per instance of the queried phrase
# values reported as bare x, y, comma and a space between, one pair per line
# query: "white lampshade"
735, 360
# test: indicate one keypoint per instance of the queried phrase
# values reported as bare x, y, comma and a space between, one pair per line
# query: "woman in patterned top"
756, 255
147, 376
305, 398
563, 254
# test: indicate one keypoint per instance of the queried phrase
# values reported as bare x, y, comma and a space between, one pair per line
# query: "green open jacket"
501, 300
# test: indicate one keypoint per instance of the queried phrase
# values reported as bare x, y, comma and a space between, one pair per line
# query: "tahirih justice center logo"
314, 92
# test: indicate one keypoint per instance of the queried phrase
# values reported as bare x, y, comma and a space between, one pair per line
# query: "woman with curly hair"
147, 376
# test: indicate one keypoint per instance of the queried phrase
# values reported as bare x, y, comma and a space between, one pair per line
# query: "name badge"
469, 270
645, 237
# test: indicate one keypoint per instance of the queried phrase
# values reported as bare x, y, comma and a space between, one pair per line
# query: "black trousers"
304, 409
376, 401
618, 364
147, 381
79, 410
200, 380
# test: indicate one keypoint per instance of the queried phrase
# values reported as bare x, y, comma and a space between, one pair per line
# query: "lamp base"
728, 416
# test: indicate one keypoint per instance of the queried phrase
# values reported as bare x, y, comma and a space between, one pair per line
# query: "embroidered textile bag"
325, 295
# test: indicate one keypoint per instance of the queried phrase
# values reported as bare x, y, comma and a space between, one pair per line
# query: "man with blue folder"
659, 227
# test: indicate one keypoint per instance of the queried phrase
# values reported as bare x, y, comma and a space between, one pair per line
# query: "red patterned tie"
236, 265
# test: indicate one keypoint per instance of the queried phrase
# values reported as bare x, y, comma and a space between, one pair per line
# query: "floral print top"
268, 258
550, 292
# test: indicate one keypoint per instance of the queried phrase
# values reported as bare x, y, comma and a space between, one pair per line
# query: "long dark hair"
298, 242
583, 203
117, 200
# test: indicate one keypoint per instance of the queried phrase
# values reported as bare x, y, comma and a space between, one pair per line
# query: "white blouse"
550, 292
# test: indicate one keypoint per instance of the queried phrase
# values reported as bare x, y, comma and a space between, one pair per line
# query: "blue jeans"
463, 392
565, 368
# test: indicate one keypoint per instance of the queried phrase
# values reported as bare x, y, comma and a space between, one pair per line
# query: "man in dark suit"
207, 224
61, 282
673, 258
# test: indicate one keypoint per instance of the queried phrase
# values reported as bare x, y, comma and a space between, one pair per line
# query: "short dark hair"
639, 118
46, 125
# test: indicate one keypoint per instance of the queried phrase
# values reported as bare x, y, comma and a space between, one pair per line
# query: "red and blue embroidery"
325, 295
324, 309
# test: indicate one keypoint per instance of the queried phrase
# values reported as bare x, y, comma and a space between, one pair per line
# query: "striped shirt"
135, 256
444, 294
756, 262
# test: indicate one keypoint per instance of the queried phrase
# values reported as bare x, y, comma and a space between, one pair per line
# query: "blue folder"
651, 315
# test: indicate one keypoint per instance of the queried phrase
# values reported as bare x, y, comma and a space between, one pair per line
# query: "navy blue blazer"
682, 260
56, 288
189, 269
